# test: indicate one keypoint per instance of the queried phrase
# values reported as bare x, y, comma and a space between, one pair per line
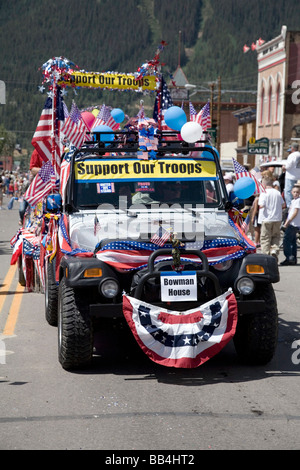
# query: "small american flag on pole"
42, 184
74, 128
193, 112
46, 133
161, 236
241, 171
104, 117
203, 117
163, 102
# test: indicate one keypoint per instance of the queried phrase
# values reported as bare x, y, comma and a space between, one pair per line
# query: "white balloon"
191, 132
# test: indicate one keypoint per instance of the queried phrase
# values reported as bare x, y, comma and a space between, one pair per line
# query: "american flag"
187, 340
193, 112
141, 113
43, 183
65, 171
241, 171
161, 236
45, 135
162, 103
203, 117
74, 128
104, 117
97, 226
245, 224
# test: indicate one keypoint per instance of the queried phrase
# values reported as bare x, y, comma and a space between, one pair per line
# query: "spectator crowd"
277, 210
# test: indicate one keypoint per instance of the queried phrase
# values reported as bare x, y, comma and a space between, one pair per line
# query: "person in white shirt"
292, 226
292, 172
228, 179
270, 204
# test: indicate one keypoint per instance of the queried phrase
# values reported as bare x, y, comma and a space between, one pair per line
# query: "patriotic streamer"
182, 339
131, 255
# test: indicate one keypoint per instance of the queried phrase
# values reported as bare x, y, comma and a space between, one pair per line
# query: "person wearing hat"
292, 172
228, 179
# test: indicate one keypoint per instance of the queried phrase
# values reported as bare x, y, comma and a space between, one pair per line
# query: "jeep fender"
260, 267
73, 269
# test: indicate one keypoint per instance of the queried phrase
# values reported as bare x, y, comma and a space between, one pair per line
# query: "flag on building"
182, 339
74, 128
47, 137
241, 171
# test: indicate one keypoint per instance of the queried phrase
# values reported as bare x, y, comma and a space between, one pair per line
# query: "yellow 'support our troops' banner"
117, 81
107, 170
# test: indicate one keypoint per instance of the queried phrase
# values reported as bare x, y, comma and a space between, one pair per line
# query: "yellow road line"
14, 312
6, 284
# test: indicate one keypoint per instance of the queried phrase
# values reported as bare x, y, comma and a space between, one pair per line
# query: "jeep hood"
88, 228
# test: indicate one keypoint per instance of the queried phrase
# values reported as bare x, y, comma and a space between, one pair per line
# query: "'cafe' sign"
260, 146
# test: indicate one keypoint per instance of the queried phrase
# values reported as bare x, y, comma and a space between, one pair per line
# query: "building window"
270, 106
262, 104
278, 103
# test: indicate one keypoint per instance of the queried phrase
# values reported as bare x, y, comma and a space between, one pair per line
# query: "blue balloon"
104, 137
209, 156
118, 115
244, 187
175, 118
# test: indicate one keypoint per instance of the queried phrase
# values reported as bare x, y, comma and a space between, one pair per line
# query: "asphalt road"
126, 402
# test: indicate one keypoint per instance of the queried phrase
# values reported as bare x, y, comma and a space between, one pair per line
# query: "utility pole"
219, 116
212, 85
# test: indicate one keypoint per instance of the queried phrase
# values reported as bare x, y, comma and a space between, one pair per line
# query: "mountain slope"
119, 35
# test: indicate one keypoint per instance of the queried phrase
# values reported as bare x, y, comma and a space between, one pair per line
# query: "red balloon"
88, 118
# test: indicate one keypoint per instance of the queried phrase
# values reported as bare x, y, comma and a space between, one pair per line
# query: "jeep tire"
51, 294
75, 332
256, 335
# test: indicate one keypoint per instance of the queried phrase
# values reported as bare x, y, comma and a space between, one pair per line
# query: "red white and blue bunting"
182, 339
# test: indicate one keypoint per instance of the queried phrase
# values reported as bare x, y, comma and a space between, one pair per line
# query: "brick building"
278, 101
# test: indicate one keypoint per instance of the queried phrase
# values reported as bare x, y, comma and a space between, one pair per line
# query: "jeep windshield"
180, 181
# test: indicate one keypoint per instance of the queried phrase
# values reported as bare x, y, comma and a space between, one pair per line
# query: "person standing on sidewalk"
292, 226
270, 204
292, 172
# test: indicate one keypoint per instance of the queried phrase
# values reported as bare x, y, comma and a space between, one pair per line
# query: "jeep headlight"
223, 266
245, 285
109, 288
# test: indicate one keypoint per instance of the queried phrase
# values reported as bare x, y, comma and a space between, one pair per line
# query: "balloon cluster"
191, 132
176, 119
